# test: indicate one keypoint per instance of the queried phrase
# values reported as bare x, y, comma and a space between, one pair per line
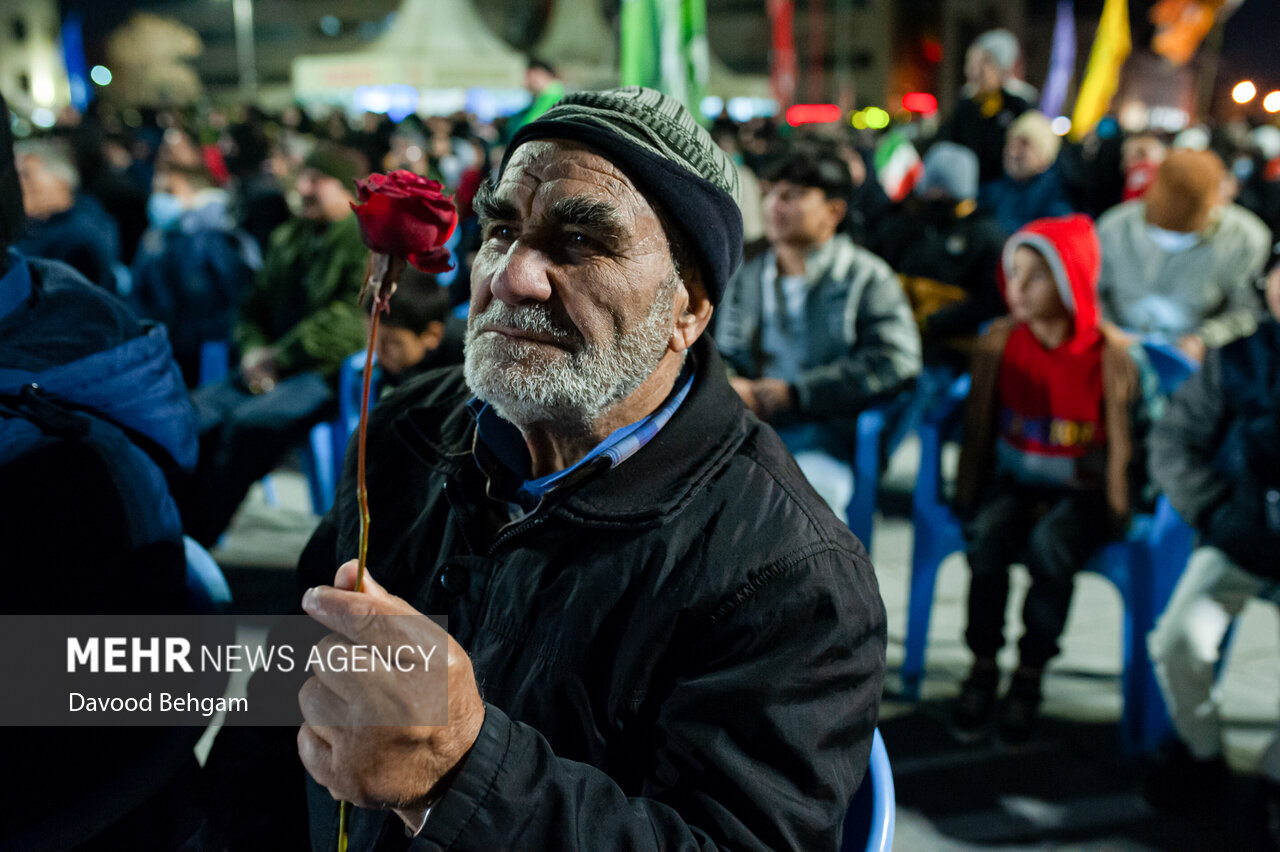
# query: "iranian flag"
664, 46
898, 165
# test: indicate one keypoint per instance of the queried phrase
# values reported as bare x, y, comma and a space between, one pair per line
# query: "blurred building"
32, 73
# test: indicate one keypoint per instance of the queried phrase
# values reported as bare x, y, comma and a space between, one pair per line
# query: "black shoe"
1020, 709
1177, 781
1269, 814
972, 710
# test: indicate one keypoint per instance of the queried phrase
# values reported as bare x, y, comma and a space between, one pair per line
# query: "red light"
932, 50
812, 114
920, 102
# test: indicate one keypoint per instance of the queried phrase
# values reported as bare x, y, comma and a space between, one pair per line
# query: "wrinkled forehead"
544, 171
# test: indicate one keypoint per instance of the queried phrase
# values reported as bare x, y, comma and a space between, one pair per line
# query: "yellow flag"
1111, 46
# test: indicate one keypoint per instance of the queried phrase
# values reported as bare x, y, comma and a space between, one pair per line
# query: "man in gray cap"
659, 637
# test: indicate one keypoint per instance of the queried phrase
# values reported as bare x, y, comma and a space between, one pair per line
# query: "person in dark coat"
193, 266
946, 250
992, 99
1031, 187
62, 223
679, 646
1216, 455
93, 414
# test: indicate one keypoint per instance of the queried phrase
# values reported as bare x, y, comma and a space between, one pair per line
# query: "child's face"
1031, 291
399, 349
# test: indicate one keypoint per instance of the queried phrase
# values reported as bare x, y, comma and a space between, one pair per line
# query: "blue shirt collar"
506, 444
15, 283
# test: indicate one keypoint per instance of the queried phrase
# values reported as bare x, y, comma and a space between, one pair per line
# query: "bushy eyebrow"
600, 218
490, 208
591, 214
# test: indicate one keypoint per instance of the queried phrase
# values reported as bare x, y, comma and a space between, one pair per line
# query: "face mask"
164, 210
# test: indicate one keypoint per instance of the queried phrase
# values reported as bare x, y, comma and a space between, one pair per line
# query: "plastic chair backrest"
869, 822
206, 586
214, 360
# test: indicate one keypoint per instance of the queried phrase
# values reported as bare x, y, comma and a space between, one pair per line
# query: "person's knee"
1190, 639
1049, 555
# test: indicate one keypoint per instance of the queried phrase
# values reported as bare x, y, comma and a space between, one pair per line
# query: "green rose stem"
380, 281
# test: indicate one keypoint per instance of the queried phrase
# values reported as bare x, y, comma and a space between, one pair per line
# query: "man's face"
981, 71
324, 198
574, 293
1023, 160
43, 193
799, 214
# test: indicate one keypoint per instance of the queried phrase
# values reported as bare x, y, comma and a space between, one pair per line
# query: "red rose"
405, 215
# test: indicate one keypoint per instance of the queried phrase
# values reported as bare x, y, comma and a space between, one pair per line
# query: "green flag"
664, 47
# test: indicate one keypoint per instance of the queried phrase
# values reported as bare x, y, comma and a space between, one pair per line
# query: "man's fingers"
321, 705
317, 756
353, 614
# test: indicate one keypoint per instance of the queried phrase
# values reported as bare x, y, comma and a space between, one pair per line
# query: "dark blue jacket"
192, 277
86, 237
1017, 202
75, 363
92, 413
1216, 453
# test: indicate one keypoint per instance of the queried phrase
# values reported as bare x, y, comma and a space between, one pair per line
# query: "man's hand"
382, 766
258, 370
773, 397
745, 389
1193, 346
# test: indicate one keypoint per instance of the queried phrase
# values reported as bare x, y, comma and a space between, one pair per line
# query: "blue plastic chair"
206, 586
350, 385
868, 453
1144, 567
868, 824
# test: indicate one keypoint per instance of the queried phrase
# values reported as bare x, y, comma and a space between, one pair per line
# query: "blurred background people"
62, 223
1181, 263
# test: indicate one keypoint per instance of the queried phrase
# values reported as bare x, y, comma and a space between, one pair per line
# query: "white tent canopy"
433, 45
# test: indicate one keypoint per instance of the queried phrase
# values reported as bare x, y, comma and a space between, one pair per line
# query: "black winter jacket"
1216, 453
685, 652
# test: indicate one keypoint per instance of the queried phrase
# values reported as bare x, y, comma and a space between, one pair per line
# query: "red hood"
1070, 245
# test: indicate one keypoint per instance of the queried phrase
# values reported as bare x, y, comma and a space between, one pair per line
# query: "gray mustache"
536, 319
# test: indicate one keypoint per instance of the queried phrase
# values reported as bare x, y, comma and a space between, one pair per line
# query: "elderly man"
661, 639
991, 99
63, 223
1031, 187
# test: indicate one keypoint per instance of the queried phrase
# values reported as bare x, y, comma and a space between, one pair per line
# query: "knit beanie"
12, 218
671, 159
1036, 129
1185, 191
1001, 45
338, 162
951, 168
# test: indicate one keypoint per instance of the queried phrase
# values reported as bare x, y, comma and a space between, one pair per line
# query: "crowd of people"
1036, 266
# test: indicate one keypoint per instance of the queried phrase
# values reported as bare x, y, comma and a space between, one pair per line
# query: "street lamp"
1244, 92
1271, 103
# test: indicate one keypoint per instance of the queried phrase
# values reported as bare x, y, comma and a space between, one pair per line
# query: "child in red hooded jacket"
1050, 460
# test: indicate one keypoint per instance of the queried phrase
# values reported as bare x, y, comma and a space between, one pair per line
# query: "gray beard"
573, 387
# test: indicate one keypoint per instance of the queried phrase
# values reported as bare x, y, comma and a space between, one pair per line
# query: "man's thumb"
345, 579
